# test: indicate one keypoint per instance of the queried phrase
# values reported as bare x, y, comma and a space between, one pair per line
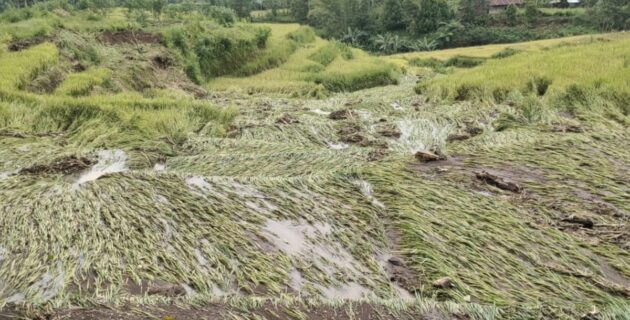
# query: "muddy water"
49, 286
367, 191
351, 290
421, 135
109, 161
320, 112
199, 182
288, 237
336, 146
295, 280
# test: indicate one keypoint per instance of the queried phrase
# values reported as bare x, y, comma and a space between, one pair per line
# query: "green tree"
432, 13
327, 16
299, 9
511, 15
411, 12
531, 12
474, 12
610, 15
392, 15
157, 6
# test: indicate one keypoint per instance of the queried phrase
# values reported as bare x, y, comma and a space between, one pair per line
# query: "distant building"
564, 3
500, 5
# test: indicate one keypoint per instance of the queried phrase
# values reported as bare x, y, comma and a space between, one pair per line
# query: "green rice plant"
601, 67
325, 55
17, 68
300, 75
82, 83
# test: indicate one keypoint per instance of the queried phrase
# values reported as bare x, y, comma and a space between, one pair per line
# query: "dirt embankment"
131, 36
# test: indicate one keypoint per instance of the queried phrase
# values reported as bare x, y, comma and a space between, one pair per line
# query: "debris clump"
443, 283
389, 130
469, 133
583, 222
342, 114
429, 156
131, 36
498, 182
287, 119
65, 165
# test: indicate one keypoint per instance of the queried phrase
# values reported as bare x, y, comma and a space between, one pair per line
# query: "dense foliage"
377, 25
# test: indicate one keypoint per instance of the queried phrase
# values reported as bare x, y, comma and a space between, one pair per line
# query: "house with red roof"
499, 5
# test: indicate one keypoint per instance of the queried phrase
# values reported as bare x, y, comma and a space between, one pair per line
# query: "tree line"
392, 26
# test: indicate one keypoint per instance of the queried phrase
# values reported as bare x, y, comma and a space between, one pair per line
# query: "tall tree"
474, 12
432, 13
299, 10
392, 16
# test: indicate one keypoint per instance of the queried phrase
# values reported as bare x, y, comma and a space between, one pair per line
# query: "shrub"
326, 54
507, 52
464, 62
224, 16
302, 35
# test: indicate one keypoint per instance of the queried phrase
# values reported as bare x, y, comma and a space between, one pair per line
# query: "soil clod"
165, 289
498, 182
342, 114
287, 119
377, 154
584, 222
396, 261
428, 156
443, 283
389, 130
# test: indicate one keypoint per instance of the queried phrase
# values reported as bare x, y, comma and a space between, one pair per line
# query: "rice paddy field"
315, 185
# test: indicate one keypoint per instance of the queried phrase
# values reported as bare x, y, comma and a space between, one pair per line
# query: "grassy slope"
300, 75
208, 222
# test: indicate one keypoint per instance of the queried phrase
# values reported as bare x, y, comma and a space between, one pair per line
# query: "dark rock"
458, 137
498, 182
428, 156
443, 283
584, 222
396, 261
474, 131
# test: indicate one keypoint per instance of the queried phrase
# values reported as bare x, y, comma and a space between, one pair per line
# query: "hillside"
189, 169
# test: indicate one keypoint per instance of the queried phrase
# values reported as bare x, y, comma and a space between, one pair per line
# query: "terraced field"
251, 204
